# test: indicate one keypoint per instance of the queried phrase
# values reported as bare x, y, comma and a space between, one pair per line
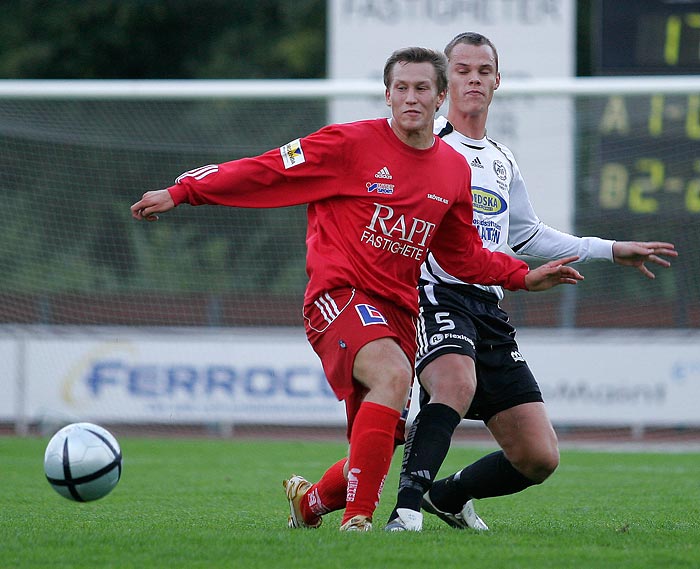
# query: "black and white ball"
83, 462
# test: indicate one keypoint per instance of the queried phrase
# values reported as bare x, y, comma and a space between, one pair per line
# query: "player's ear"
440, 100
387, 97
498, 80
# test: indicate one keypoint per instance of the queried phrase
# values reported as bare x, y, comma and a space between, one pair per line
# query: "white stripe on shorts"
328, 307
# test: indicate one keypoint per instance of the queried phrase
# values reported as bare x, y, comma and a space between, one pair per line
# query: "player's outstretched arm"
552, 274
636, 253
152, 203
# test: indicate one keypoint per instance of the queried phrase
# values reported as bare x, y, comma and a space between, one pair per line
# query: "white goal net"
75, 155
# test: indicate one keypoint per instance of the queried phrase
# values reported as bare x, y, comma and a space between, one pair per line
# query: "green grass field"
219, 503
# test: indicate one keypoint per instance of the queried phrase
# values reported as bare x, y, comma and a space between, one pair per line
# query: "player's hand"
552, 274
152, 203
636, 253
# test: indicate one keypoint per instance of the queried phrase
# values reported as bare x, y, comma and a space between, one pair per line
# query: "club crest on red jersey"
369, 314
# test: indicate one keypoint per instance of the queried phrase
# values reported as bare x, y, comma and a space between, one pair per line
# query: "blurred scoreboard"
645, 37
643, 159
642, 152
638, 157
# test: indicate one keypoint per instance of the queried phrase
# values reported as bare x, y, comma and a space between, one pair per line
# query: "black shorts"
463, 319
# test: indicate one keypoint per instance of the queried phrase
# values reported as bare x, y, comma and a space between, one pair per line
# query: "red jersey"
375, 206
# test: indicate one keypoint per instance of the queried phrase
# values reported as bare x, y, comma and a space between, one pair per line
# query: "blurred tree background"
170, 39
162, 39
98, 156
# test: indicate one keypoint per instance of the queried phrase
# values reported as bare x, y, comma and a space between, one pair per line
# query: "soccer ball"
83, 462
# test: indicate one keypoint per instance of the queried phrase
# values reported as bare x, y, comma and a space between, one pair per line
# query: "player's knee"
546, 465
449, 380
400, 378
383, 368
457, 394
392, 381
539, 466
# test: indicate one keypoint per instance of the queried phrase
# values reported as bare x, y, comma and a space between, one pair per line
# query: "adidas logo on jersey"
383, 173
476, 163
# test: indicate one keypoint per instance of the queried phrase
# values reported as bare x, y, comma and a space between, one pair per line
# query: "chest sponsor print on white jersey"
487, 202
489, 230
488, 206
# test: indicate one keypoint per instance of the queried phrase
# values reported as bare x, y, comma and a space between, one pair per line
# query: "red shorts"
342, 321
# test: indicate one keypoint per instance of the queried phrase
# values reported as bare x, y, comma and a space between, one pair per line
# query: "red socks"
327, 495
371, 449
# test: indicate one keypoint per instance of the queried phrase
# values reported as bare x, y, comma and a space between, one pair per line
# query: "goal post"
161, 89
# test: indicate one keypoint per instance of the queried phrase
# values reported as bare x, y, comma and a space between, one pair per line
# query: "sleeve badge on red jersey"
292, 154
369, 314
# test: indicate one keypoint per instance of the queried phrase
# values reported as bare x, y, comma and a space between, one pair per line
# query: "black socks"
490, 476
426, 447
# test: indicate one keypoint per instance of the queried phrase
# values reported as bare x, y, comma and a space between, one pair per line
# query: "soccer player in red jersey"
379, 194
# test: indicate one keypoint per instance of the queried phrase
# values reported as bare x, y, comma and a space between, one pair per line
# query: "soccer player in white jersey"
468, 362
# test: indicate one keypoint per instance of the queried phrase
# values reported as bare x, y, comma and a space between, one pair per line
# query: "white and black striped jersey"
503, 213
